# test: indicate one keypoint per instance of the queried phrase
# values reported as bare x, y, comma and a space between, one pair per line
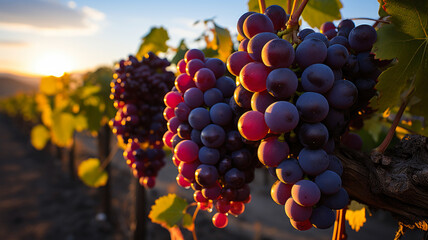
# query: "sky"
48, 37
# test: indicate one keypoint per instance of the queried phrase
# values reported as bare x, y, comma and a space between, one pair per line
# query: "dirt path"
37, 201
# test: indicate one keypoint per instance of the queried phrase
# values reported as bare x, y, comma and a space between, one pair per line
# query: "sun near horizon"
52, 64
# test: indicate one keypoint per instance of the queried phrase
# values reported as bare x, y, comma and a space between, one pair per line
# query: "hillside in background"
11, 84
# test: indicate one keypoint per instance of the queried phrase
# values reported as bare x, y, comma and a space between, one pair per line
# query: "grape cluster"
297, 101
137, 90
209, 152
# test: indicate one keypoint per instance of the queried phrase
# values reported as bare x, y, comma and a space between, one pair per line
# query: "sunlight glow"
53, 63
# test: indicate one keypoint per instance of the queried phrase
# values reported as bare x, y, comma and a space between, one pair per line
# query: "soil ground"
39, 200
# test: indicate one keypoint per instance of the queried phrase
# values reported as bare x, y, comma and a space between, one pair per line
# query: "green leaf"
405, 40
90, 172
315, 13
62, 128
356, 215
154, 41
224, 42
179, 54
168, 210
318, 12
187, 222
39, 136
253, 5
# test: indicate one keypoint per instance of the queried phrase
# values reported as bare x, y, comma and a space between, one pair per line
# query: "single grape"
193, 97
289, 171
216, 65
328, 182
193, 66
240, 23
257, 23
313, 135
199, 118
204, 79
313, 162
312, 107
280, 192
278, 53
297, 212
337, 55
322, 217
310, 51
253, 76
220, 220
252, 125
282, 83
212, 96
194, 54
221, 114
317, 78
362, 38
305, 193
261, 100
342, 95
213, 136
271, 151
208, 155
281, 117
226, 85
277, 15
236, 61
186, 151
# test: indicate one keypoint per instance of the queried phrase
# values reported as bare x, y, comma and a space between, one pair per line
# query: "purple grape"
305, 193
322, 217
282, 83
278, 53
313, 135
317, 78
313, 162
328, 182
208, 155
212, 96
256, 44
310, 51
277, 15
289, 171
257, 23
206, 175
281, 117
213, 136
261, 100
194, 97
199, 118
221, 114
342, 95
312, 107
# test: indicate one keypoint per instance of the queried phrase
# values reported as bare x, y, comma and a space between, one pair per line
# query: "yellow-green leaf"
90, 172
225, 44
318, 12
154, 41
39, 136
188, 222
62, 128
315, 13
168, 210
48, 85
356, 215
81, 122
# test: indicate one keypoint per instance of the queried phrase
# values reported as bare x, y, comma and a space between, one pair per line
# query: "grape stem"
194, 223
289, 6
339, 232
405, 100
262, 6
109, 157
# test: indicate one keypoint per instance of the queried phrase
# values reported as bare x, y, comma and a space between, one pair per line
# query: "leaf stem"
262, 6
405, 100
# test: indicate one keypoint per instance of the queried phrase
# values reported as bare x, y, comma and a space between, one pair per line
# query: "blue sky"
39, 36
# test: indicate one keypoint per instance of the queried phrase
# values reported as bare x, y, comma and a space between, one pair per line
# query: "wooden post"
72, 159
141, 212
103, 152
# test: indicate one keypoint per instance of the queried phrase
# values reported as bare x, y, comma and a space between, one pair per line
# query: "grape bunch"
137, 90
297, 101
209, 152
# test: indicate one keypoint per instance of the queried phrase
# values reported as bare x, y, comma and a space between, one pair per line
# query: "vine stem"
262, 6
385, 143
372, 19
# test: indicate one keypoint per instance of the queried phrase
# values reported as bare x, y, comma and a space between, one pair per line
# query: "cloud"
12, 43
49, 17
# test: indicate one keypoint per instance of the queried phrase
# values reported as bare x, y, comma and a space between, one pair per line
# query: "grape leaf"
179, 54
154, 41
39, 136
187, 222
224, 42
356, 215
48, 85
62, 128
90, 172
315, 13
318, 12
168, 210
406, 40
